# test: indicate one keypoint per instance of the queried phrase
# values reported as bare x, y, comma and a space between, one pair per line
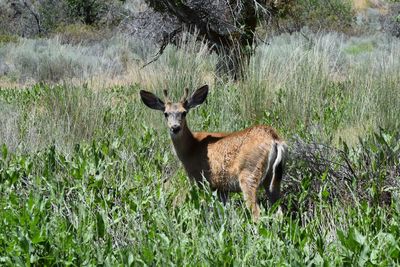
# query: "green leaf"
4, 151
325, 194
264, 232
130, 259
100, 225
148, 255
356, 237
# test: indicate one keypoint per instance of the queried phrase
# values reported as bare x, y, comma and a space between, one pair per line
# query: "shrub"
96, 12
367, 172
53, 14
392, 20
336, 15
77, 33
6, 38
87, 11
51, 60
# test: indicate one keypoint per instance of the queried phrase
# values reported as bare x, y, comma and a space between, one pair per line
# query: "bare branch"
34, 14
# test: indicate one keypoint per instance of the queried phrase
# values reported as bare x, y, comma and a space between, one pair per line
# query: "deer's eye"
165, 114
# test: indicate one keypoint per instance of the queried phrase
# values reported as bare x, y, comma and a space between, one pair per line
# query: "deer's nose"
175, 129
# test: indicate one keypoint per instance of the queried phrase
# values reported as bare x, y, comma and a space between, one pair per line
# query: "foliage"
360, 48
88, 11
76, 34
5, 38
365, 173
41, 18
336, 15
393, 20
87, 175
54, 14
96, 12
119, 198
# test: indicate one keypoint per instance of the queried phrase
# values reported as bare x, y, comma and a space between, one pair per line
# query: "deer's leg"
223, 196
248, 185
266, 182
274, 187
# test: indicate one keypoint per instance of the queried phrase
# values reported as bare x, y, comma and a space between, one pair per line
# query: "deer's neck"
184, 143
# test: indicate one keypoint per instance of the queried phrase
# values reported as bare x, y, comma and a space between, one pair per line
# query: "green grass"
360, 48
8, 38
88, 177
96, 205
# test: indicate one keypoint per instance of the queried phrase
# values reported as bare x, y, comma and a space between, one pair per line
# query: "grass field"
88, 176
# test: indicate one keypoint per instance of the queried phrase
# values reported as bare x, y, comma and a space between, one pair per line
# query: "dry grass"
351, 134
361, 4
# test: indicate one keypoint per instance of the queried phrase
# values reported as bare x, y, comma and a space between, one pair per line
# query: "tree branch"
35, 15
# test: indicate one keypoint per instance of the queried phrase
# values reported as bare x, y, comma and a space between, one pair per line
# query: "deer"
241, 161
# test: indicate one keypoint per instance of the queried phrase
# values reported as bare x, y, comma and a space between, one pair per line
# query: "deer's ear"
152, 101
198, 97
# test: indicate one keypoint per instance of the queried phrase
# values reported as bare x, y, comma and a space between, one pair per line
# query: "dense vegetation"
88, 176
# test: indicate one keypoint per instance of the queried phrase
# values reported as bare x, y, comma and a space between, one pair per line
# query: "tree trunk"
35, 15
228, 26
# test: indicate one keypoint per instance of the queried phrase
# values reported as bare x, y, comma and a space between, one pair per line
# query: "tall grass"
324, 84
312, 75
317, 77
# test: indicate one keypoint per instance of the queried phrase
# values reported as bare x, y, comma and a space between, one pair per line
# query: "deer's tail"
274, 172
277, 165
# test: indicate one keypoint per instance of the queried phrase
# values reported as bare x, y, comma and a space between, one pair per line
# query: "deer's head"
175, 112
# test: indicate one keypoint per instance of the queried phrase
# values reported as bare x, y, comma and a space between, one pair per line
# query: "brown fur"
230, 162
